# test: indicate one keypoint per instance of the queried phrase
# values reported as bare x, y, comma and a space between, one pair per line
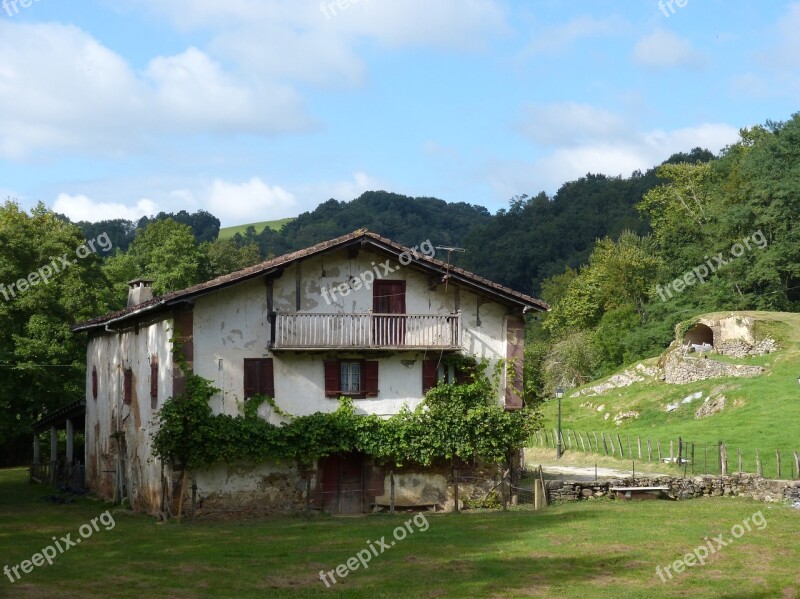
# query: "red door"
343, 484
389, 297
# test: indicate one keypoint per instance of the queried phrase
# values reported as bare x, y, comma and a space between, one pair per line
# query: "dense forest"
610, 254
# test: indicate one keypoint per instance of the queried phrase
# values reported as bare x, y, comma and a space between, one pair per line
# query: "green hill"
761, 413
275, 225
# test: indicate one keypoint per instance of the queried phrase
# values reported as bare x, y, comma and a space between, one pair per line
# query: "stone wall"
679, 369
738, 485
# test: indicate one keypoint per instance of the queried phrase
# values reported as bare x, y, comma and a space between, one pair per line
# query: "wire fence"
694, 458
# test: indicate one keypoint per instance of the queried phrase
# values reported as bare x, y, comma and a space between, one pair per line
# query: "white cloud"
606, 146
233, 202
250, 201
308, 41
567, 123
82, 208
665, 49
555, 39
60, 89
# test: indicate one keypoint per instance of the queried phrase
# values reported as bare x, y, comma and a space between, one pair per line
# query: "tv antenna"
450, 251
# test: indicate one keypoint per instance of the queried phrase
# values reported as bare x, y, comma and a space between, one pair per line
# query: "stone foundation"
739, 485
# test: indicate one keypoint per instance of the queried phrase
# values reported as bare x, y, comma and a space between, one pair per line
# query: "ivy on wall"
454, 421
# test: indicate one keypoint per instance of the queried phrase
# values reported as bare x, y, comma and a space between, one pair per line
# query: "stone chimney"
139, 291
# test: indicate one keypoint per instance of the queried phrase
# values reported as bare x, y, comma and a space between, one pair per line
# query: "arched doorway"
700, 337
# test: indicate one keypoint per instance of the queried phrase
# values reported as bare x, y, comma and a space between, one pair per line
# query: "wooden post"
575, 439
455, 486
639, 445
545, 498
649, 450
603, 434
619, 442
583, 445
546, 439
659, 451
503, 489
596, 444
588, 441
797, 464
569, 441
759, 470
778, 462
391, 492
671, 451
739, 450
723, 455
630, 451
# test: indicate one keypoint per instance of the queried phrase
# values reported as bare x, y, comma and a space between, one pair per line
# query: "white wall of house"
231, 325
111, 354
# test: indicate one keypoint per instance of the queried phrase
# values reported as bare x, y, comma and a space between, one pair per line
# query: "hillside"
231, 232
762, 412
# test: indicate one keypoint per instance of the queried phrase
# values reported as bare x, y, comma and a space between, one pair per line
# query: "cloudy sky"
262, 109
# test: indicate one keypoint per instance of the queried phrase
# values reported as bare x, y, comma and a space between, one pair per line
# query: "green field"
275, 225
762, 413
588, 549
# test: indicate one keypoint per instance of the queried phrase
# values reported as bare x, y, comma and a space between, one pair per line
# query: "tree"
164, 251
50, 280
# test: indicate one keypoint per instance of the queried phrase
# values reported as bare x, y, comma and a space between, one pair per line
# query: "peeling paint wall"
111, 354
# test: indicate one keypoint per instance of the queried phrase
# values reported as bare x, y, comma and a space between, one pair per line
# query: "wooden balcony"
366, 331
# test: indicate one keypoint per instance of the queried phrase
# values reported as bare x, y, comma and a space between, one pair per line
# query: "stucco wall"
111, 354
231, 325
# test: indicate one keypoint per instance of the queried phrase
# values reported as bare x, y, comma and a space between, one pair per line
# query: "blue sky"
261, 109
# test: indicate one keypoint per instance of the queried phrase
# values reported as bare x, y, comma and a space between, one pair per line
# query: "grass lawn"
275, 225
590, 549
761, 413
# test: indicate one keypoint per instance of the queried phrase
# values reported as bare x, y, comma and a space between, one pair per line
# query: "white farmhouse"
359, 316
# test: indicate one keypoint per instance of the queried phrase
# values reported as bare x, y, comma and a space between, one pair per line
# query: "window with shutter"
354, 378
429, 370
154, 382
259, 377
94, 383
127, 387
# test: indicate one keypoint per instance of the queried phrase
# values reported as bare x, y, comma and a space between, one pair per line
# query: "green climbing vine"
454, 421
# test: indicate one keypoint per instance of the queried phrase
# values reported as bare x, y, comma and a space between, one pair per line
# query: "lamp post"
559, 395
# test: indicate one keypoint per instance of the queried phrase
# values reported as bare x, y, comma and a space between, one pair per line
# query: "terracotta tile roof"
504, 294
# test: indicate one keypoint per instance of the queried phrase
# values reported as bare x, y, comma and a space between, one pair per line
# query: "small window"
350, 377
259, 377
154, 382
356, 378
94, 383
127, 388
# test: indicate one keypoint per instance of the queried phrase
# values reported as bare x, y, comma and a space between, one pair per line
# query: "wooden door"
389, 297
343, 484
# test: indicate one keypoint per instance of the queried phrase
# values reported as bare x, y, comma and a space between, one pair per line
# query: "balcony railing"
367, 331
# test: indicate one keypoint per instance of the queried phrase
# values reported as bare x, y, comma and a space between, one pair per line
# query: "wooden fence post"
596, 444
797, 464
778, 461
605, 445
759, 469
723, 456
630, 451
649, 450
671, 451
588, 441
639, 445
659, 451
583, 445
619, 442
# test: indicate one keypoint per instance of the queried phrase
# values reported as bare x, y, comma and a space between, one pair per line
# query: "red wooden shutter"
332, 383
370, 383
154, 377
464, 375
429, 368
266, 383
94, 382
250, 378
127, 388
